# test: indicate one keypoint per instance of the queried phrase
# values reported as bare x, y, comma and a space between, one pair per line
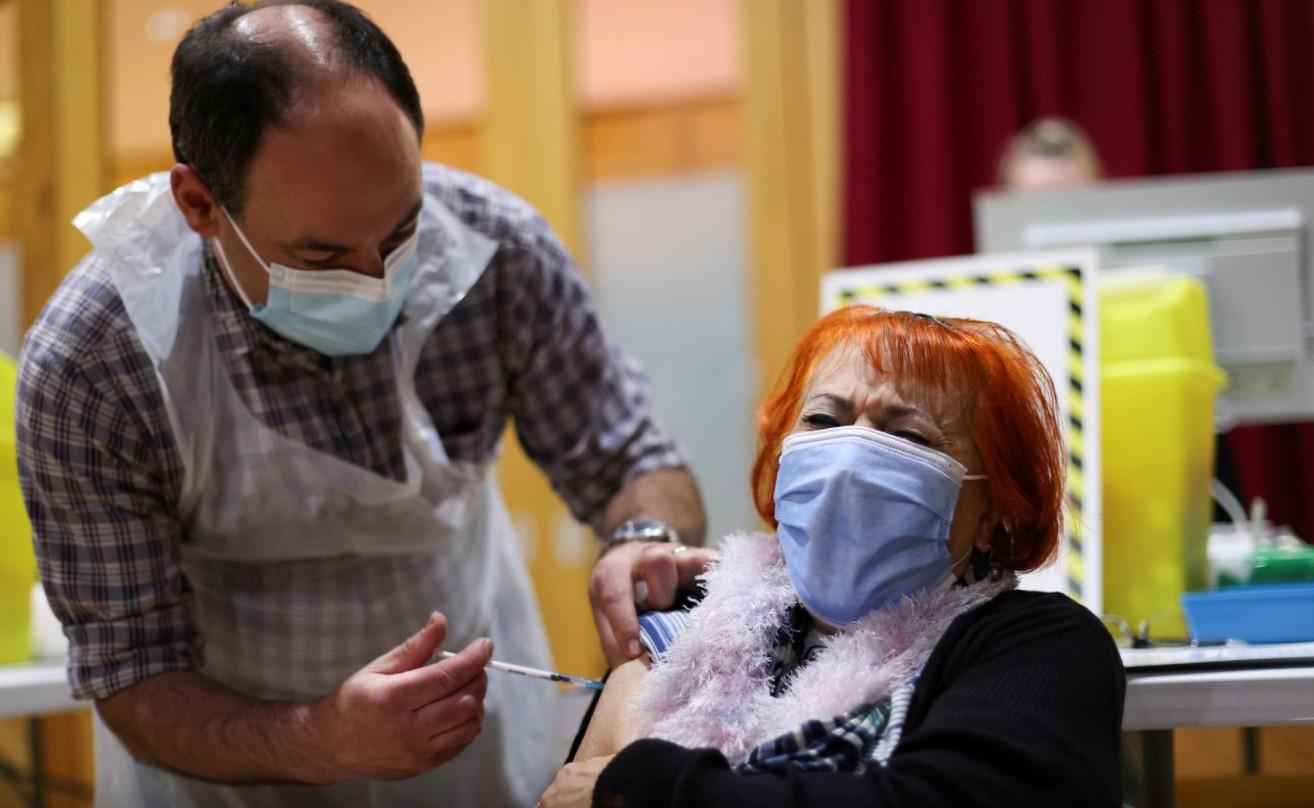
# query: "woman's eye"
821, 421
911, 436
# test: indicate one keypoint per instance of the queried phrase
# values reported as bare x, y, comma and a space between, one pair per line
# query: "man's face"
337, 187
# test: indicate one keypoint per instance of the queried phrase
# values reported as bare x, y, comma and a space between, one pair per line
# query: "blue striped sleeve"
658, 630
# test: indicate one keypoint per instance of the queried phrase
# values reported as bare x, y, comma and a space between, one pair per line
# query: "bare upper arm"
615, 722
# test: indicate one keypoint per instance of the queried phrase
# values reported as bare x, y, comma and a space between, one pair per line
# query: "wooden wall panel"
1241, 791
630, 143
1207, 752
456, 145
459, 146
63, 164
663, 141
1287, 751
790, 130
6, 209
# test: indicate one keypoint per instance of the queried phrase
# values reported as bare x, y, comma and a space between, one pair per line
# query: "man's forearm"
189, 723
668, 495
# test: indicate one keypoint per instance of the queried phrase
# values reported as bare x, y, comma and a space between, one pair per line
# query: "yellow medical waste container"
1157, 386
17, 567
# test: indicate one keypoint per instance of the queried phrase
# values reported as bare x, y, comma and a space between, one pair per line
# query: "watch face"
642, 530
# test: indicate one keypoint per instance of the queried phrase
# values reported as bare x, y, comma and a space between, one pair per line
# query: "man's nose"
370, 264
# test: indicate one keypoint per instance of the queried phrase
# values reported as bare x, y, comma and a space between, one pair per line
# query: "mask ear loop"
228, 273
245, 241
959, 560
228, 268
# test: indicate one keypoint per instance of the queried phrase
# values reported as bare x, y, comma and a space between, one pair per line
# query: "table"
33, 689
1159, 702
1223, 698
40, 687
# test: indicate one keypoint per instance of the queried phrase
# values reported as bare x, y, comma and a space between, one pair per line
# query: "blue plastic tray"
1259, 613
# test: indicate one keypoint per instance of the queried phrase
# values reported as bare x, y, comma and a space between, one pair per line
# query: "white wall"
669, 267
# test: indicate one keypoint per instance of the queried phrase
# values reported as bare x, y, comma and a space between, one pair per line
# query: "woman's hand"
573, 787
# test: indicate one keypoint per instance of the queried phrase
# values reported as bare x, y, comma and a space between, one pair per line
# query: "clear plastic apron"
304, 567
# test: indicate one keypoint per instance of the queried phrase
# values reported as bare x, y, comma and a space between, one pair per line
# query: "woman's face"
846, 391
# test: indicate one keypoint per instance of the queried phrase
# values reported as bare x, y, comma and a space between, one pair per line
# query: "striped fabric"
657, 630
839, 744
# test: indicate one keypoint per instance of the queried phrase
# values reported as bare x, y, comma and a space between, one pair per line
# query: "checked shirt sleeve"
581, 405
99, 487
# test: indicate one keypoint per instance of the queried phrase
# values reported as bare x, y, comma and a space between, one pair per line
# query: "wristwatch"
643, 530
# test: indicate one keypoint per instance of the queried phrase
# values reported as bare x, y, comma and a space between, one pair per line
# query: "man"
256, 425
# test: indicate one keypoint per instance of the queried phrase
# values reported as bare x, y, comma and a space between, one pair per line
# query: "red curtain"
934, 89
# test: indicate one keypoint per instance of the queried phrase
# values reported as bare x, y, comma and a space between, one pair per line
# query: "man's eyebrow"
319, 245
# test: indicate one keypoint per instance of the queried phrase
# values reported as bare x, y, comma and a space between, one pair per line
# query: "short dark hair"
227, 88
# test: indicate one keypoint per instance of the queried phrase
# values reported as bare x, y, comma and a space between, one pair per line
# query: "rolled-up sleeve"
106, 535
581, 404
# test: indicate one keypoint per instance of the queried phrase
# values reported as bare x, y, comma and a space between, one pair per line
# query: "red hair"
1009, 409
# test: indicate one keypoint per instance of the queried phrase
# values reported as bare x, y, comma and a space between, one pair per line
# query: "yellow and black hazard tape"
1071, 277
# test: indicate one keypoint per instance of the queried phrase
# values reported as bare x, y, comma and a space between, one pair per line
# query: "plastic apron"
304, 567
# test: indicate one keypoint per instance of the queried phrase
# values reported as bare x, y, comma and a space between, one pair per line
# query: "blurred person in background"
1049, 154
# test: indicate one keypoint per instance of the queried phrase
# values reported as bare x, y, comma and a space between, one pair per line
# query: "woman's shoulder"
1038, 623
1029, 603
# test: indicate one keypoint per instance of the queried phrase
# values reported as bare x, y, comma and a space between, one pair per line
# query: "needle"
535, 673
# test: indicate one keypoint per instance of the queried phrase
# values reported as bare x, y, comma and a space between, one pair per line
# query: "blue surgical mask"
863, 518
336, 312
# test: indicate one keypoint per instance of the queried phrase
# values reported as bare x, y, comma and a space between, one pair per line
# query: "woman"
876, 650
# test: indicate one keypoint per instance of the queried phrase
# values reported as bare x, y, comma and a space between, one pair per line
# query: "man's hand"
395, 718
573, 786
398, 717
662, 567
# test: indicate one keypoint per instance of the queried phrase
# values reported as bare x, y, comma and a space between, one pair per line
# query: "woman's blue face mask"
863, 518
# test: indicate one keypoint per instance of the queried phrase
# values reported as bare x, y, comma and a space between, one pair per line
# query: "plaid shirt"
102, 474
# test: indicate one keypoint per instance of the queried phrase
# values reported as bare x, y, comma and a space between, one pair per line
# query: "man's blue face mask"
863, 518
336, 312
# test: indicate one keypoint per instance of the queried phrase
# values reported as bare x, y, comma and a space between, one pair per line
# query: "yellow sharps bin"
1157, 386
17, 567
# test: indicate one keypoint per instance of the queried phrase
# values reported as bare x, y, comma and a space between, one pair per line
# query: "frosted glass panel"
10, 300
669, 268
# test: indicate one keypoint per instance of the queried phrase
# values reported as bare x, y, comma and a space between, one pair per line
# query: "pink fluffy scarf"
713, 688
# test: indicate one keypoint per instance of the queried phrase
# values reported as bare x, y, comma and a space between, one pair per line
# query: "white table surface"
1232, 698
35, 688
1251, 697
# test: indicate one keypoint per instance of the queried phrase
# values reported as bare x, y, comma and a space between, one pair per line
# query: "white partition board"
1048, 299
